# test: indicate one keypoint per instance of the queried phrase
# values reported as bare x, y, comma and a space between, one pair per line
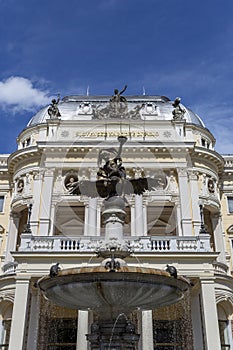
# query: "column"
46, 200
98, 215
34, 321
147, 339
19, 317
37, 187
92, 217
186, 220
133, 226
138, 218
209, 315
196, 321
178, 218
92, 209
193, 180
219, 237
86, 211
83, 327
52, 219
12, 235
145, 219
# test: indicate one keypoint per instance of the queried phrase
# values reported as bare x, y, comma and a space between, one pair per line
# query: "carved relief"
85, 108
20, 186
173, 186
71, 181
211, 186
149, 108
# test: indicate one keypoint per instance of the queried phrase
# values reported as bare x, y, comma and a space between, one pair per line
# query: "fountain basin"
130, 288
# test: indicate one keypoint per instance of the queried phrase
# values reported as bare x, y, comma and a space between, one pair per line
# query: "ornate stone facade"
162, 226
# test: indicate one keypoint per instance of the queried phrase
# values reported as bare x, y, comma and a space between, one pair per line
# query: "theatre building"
185, 219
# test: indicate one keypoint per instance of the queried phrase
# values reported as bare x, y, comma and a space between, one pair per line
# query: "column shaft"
19, 317
147, 340
186, 220
36, 203
32, 341
83, 323
196, 322
12, 235
46, 203
92, 217
193, 179
219, 237
138, 218
210, 318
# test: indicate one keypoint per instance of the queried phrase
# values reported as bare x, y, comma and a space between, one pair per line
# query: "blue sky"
171, 47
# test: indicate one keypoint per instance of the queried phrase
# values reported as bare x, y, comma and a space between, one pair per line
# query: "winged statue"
112, 180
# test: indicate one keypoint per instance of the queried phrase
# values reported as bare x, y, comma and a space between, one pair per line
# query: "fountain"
113, 288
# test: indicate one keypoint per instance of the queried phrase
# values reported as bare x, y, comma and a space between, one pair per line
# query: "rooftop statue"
178, 112
117, 95
53, 110
112, 180
117, 108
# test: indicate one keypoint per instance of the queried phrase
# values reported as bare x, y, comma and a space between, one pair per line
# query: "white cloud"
18, 94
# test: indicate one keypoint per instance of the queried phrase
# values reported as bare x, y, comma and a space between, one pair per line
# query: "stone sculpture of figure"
53, 110
71, 183
178, 112
117, 95
112, 180
20, 186
113, 168
118, 103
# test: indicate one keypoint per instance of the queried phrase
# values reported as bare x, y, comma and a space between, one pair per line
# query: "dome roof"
99, 107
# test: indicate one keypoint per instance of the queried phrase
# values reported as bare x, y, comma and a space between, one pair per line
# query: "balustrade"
138, 244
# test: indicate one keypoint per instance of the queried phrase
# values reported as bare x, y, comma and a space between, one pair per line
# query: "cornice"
20, 155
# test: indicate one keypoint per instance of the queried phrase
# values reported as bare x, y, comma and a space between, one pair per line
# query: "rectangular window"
230, 204
1, 203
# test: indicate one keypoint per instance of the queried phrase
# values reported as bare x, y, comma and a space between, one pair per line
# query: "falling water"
173, 325
135, 256
114, 326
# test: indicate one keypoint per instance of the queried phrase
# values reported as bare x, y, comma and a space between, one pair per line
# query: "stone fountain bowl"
130, 288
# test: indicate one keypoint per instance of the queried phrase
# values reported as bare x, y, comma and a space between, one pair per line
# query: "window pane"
230, 204
1, 203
